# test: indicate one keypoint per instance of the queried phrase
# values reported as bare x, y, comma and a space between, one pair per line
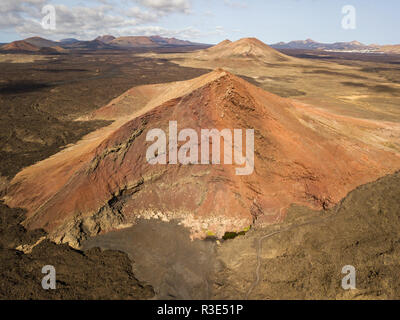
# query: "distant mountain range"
141, 41
353, 46
37, 44
69, 41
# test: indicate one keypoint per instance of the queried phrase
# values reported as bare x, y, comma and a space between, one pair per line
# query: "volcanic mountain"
129, 42
171, 41
303, 155
244, 48
20, 45
144, 41
89, 45
106, 38
68, 41
41, 42
34, 44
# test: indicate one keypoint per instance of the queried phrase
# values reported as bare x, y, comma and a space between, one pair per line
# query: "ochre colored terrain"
250, 48
303, 155
355, 89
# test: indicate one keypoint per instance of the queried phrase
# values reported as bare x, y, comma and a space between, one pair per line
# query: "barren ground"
326, 80
39, 102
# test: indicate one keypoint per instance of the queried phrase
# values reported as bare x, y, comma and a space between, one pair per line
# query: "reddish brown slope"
302, 155
20, 45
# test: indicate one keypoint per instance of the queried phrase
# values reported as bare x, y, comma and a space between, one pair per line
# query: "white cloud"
141, 15
188, 33
82, 22
235, 4
167, 5
94, 18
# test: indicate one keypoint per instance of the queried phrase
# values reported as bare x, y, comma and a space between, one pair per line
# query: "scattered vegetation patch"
233, 235
377, 88
22, 87
335, 73
354, 84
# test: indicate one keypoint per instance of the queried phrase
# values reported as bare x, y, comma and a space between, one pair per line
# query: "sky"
205, 21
